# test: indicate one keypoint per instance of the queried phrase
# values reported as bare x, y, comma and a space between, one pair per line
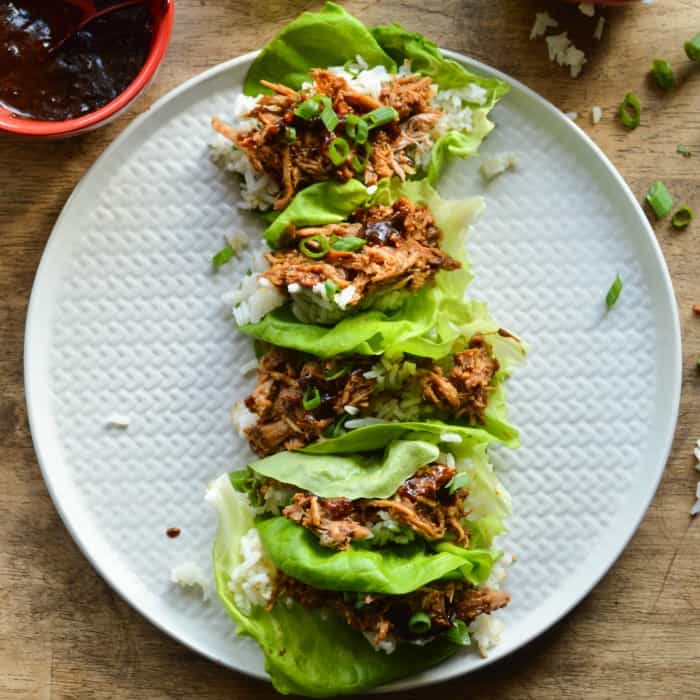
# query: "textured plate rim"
436, 675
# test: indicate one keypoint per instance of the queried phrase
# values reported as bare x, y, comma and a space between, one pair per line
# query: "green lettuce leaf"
322, 203
379, 435
306, 653
330, 37
395, 570
376, 475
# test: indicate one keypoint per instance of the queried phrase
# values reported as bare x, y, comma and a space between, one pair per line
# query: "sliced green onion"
328, 116
419, 623
458, 481
341, 372
338, 150
308, 109
311, 399
315, 247
357, 165
682, 218
222, 257
630, 111
356, 128
613, 293
663, 73
380, 117
348, 67
683, 150
331, 289
348, 244
692, 48
459, 634
290, 134
337, 429
659, 199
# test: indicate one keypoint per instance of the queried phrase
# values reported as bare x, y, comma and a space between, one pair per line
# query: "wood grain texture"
65, 634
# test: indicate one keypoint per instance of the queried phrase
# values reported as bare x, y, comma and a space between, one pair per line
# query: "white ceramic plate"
125, 317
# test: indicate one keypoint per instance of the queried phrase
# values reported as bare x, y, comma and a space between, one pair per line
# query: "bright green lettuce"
376, 475
332, 37
379, 435
306, 653
322, 203
394, 570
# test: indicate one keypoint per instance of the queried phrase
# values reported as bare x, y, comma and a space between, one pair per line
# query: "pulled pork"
284, 377
466, 389
400, 251
382, 615
297, 158
421, 504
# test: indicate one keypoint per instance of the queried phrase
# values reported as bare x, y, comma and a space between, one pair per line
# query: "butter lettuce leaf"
306, 653
377, 475
395, 570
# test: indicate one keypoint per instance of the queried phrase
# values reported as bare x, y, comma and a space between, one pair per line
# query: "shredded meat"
421, 503
466, 389
401, 250
278, 400
394, 146
384, 615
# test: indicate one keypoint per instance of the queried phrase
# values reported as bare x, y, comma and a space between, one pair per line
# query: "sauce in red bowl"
87, 80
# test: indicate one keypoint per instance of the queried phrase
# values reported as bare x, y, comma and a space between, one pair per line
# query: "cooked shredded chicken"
384, 615
422, 504
401, 251
285, 375
283, 378
305, 160
466, 388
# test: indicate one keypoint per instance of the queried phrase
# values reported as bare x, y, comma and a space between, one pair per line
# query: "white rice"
344, 297
252, 581
190, 575
486, 631
696, 506
496, 165
276, 498
561, 50
598, 33
242, 418
571, 115
362, 422
499, 573
542, 23
696, 452
351, 410
451, 437
587, 8
596, 114
248, 367
387, 645
254, 299
117, 420
446, 458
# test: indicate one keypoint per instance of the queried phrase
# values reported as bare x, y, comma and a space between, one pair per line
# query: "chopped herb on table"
659, 199
663, 74
682, 218
630, 111
692, 48
222, 257
613, 293
683, 150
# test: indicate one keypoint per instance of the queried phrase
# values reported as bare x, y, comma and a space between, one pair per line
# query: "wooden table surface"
65, 634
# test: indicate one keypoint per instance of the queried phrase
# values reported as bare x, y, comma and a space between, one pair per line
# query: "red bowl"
162, 11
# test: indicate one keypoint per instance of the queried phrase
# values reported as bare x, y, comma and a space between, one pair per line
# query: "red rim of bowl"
161, 37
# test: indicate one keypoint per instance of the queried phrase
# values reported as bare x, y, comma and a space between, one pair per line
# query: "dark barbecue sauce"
87, 72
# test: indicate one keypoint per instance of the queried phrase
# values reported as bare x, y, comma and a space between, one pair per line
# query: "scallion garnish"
328, 116
459, 634
663, 73
311, 399
331, 289
613, 293
338, 150
337, 374
380, 117
348, 244
692, 48
308, 109
290, 134
683, 150
659, 199
458, 481
338, 428
356, 128
315, 247
419, 623
222, 257
682, 218
630, 111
